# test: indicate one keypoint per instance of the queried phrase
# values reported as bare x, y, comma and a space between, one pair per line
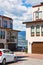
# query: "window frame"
1, 34
37, 33
11, 25
41, 30
5, 24
32, 33
38, 15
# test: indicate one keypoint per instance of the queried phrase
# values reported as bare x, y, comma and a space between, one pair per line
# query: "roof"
38, 5
8, 29
37, 21
6, 17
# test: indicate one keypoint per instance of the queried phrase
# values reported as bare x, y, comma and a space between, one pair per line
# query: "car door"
11, 56
6, 55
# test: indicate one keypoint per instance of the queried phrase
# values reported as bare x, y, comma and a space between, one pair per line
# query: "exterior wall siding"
34, 38
37, 19
14, 32
36, 9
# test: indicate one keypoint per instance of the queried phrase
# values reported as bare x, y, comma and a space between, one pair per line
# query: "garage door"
37, 47
1, 45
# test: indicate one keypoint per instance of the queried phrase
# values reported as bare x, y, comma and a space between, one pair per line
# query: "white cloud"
15, 10
18, 12
33, 2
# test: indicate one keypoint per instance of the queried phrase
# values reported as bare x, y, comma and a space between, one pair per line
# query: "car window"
7, 51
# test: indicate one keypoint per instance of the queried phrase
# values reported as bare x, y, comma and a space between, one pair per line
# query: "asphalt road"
23, 60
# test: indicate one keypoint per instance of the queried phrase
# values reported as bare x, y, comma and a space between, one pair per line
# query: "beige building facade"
34, 30
8, 36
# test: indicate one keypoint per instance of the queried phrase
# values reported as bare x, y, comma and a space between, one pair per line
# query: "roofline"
6, 17
9, 29
38, 5
33, 21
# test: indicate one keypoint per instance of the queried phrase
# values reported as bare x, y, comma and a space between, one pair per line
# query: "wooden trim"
30, 22
41, 34
37, 5
6, 17
8, 29
37, 34
32, 34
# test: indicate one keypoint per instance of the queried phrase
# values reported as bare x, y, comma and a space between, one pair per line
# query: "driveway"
25, 59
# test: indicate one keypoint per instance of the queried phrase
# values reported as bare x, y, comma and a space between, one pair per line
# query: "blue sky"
22, 35
19, 10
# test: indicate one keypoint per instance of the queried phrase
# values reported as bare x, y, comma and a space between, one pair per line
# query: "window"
2, 34
8, 51
10, 25
38, 15
37, 30
0, 23
32, 30
42, 30
5, 24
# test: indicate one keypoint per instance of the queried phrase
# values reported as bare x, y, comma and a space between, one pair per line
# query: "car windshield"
7, 51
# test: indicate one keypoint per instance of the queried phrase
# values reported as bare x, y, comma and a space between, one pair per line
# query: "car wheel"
4, 62
15, 59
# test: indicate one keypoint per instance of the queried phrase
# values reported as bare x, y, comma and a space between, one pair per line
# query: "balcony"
11, 40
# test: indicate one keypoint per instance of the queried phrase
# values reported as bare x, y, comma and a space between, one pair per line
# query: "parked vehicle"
7, 56
20, 48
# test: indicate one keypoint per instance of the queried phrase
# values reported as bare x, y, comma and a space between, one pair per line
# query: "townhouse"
8, 36
34, 30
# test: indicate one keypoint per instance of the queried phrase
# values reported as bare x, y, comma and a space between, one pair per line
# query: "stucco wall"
8, 22
36, 9
34, 38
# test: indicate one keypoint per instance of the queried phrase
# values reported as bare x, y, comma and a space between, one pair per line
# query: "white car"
7, 56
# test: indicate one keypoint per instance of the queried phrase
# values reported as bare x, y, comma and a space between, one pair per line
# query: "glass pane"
40, 15
32, 29
0, 34
5, 24
37, 28
36, 15
42, 28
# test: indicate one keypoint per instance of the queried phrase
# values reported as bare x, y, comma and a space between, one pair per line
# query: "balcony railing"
11, 40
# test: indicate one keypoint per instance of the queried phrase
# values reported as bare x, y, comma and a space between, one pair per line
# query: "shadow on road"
19, 59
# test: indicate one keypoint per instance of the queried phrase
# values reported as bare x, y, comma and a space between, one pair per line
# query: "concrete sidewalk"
36, 56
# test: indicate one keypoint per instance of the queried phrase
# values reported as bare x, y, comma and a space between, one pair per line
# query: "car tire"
4, 62
15, 59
